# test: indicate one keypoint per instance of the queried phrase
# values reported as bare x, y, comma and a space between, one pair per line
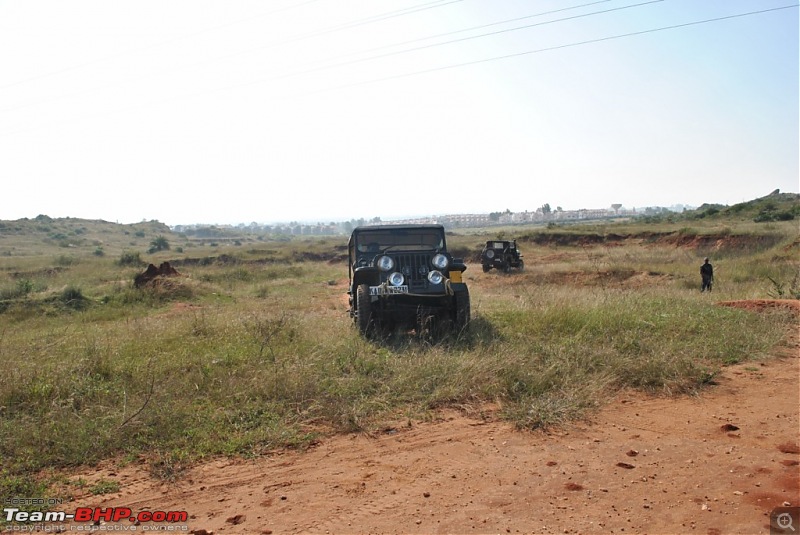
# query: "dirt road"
712, 464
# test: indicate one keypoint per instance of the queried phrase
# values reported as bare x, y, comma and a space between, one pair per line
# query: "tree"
546, 208
159, 244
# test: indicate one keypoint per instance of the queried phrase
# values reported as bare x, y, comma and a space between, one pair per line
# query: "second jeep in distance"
502, 255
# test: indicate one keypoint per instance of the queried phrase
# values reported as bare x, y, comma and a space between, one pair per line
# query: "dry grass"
251, 348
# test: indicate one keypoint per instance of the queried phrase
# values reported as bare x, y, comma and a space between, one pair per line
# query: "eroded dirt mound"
46, 272
764, 304
309, 256
689, 240
617, 278
724, 242
152, 273
621, 277
795, 244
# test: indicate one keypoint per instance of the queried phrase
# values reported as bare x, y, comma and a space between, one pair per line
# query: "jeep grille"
414, 267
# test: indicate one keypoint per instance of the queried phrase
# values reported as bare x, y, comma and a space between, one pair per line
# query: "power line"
367, 20
516, 19
551, 48
324, 31
507, 30
289, 75
154, 45
444, 67
332, 29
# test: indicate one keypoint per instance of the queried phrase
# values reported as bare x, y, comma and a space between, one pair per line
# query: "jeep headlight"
396, 278
489, 254
439, 261
385, 263
435, 277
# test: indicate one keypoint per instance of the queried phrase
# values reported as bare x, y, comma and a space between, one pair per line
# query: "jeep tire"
462, 310
364, 319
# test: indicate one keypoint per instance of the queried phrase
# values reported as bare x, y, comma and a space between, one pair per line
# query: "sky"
240, 111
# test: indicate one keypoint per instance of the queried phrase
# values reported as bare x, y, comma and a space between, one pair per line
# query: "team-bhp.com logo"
20, 521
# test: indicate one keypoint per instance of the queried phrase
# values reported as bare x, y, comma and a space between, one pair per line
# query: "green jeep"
401, 276
502, 255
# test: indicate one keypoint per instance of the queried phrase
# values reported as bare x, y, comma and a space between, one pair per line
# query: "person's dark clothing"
707, 274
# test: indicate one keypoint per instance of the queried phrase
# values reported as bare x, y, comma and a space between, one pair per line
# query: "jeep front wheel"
462, 310
364, 319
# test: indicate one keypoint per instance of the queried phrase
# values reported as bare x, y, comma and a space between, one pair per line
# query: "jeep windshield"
376, 241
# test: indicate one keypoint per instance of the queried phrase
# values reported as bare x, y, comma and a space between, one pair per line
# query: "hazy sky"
317, 110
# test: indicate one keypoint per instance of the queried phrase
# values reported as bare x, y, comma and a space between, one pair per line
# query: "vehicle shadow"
442, 334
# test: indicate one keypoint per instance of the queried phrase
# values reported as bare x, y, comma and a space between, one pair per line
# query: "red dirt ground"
711, 464
762, 304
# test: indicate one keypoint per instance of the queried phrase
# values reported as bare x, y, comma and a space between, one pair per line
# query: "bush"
130, 259
769, 215
785, 289
64, 260
72, 297
23, 288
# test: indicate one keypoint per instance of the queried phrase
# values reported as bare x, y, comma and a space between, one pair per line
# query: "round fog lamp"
385, 263
396, 279
434, 277
439, 261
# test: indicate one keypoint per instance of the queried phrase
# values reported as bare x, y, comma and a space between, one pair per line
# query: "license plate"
388, 290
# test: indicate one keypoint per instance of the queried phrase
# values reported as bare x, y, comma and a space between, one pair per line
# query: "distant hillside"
774, 207
44, 235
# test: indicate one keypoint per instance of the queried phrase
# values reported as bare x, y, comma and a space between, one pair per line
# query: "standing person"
707, 274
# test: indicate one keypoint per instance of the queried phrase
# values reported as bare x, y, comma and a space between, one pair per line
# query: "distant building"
540, 215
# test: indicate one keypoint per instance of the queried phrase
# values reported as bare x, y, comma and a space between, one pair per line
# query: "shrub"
766, 215
130, 259
23, 288
72, 297
64, 260
784, 289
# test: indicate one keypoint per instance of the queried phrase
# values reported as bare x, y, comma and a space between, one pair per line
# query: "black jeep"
403, 276
502, 255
